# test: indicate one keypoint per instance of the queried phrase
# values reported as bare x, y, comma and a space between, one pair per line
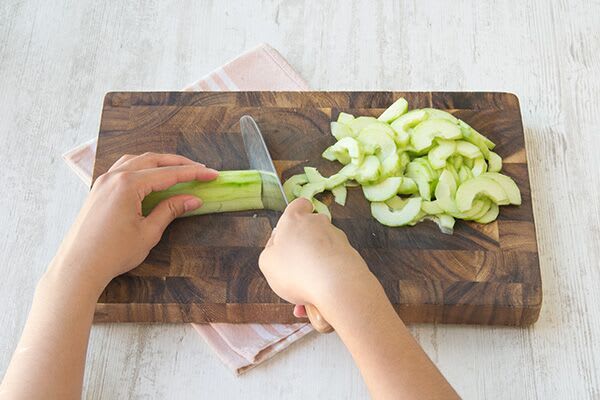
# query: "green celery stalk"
231, 191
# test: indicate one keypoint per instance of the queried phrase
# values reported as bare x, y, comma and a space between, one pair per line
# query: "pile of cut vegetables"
423, 164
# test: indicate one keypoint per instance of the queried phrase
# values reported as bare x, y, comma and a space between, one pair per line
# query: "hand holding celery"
109, 237
110, 233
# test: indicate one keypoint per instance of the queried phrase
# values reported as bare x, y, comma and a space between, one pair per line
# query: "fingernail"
212, 170
191, 204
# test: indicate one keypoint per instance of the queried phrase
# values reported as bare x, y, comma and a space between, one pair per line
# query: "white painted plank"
57, 60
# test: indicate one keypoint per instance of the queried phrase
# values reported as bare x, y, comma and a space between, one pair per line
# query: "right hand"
307, 260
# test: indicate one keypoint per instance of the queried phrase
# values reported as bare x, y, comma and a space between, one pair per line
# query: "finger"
300, 311
167, 210
271, 238
124, 158
156, 179
299, 206
154, 160
265, 259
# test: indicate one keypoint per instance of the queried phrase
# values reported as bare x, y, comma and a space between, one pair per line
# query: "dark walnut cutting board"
205, 268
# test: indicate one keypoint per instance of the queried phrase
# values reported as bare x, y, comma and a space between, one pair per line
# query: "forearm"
50, 357
390, 360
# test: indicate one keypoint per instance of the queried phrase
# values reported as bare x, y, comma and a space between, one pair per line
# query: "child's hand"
310, 261
110, 235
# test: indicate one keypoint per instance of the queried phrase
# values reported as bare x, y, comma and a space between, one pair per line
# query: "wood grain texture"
205, 268
58, 59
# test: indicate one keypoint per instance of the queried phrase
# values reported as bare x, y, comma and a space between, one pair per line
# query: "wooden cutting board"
205, 268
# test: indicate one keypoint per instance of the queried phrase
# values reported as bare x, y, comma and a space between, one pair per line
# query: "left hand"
110, 235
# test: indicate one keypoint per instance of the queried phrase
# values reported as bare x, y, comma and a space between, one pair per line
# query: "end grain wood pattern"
205, 268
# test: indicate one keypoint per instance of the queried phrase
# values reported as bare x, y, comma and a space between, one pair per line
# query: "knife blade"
260, 159
273, 196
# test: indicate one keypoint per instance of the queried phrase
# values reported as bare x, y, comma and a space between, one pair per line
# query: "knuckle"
174, 209
101, 180
124, 157
122, 180
148, 154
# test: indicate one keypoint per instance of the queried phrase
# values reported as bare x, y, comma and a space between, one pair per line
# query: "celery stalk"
231, 191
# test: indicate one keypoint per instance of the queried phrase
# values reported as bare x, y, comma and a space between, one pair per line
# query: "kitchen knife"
273, 195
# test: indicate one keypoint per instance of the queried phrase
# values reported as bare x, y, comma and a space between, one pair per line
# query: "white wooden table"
57, 59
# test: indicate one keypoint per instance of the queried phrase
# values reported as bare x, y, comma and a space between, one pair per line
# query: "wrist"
74, 277
352, 292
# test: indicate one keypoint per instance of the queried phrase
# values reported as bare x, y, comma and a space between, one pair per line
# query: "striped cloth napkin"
239, 346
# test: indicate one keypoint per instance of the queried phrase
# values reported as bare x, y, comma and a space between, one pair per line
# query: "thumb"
167, 210
299, 206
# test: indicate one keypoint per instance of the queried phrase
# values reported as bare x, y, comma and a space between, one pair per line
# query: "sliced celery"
383, 190
345, 118
382, 212
495, 162
441, 161
479, 186
321, 208
397, 108
340, 131
292, 185
339, 193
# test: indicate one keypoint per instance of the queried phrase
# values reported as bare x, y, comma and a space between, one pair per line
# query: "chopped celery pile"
422, 164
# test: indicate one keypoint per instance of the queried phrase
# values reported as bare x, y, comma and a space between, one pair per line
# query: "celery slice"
340, 131
490, 216
321, 208
377, 140
394, 111
313, 175
345, 118
479, 186
407, 121
311, 189
457, 161
383, 190
358, 124
440, 153
349, 146
349, 171
434, 113
382, 213
292, 185
340, 193
431, 207
479, 166
495, 162
508, 185
424, 133
408, 186
396, 203
467, 149
368, 171
465, 173
390, 165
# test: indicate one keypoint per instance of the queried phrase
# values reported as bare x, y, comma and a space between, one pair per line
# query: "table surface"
57, 61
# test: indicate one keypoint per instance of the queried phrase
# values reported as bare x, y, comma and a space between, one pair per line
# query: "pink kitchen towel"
239, 346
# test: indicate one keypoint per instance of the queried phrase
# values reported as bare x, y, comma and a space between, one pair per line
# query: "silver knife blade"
273, 196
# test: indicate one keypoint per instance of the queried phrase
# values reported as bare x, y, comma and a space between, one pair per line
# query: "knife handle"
317, 320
